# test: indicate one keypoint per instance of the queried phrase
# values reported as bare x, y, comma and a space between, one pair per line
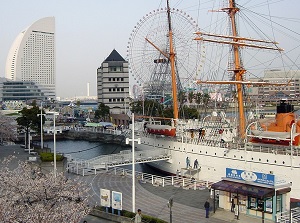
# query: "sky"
87, 31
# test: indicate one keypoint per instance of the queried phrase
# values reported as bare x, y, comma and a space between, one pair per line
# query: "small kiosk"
252, 193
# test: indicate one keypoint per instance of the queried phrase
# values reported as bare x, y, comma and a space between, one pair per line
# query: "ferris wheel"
149, 68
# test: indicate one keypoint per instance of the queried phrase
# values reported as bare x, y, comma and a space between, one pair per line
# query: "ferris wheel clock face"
149, 44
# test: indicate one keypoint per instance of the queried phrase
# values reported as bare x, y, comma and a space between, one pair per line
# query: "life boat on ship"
166, 130
281, 130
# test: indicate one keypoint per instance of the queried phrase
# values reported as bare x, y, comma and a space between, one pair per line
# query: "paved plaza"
187, 206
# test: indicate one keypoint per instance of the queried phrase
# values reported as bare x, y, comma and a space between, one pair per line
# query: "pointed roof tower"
114, 56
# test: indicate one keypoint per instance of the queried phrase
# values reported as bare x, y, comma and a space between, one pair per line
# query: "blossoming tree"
28, 195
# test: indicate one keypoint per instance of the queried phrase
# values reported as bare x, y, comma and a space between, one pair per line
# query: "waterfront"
188, 204
86, 150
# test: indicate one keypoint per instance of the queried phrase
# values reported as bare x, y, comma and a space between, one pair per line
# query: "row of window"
258, 204
116, 69
116, 89
116, 79
116, 99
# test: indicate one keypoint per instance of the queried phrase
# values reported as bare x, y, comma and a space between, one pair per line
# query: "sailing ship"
218, 142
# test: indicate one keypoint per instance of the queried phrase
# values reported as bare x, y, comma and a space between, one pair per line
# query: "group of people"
188, 165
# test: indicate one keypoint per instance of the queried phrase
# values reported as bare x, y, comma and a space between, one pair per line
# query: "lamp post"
133, 160
54, 142
42, 143
170, 205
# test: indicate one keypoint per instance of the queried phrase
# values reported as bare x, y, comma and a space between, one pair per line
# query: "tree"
191, 96
181, 97
189, 113
102, 112
198, 98
206, 100
151, 107
8, 130
28, 195
29, 120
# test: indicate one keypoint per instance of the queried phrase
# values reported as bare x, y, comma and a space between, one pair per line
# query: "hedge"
129, 214
49, 157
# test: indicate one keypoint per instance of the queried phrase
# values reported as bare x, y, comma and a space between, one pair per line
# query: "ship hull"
213, 161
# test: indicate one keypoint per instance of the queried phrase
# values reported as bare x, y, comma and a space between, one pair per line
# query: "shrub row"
49, 157
129, 214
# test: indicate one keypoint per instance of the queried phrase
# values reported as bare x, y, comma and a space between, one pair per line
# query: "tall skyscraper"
32, 56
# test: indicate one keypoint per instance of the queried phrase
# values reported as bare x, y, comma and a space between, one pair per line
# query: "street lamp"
42, 143
170, 205
54, 141
133, 160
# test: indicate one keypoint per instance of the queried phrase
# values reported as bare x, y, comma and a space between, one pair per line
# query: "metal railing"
155, 180
292, 216
83, 167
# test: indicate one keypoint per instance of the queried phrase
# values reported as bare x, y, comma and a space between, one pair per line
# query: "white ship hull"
213, 161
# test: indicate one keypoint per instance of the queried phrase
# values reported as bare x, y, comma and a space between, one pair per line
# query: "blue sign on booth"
255, 177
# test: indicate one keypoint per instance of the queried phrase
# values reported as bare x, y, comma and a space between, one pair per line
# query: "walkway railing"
292, 216
83, 167
155, 180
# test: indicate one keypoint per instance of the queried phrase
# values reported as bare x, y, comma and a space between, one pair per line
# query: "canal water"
86, 150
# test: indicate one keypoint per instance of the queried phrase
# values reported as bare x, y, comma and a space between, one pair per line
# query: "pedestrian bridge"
84, 167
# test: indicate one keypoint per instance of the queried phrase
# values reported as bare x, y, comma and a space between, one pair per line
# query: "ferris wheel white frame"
154, 26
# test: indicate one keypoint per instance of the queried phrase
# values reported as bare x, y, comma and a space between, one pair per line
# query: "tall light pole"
170, 205
54, 142
133, 160
42, 143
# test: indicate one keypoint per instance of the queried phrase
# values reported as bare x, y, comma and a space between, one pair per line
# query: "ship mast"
172, 62
171, 57
239, 71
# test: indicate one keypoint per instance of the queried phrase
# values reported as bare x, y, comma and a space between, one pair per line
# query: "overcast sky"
88, 30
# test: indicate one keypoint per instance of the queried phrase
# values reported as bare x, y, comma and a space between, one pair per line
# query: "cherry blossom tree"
8, 128
28, 195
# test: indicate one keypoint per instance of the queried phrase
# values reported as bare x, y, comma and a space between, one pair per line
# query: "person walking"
207, 206
196, 164
187, 160
138, 216
232, 205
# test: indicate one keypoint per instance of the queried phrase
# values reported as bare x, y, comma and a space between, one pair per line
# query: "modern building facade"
20, 91
32, 56
271, 94
113, 83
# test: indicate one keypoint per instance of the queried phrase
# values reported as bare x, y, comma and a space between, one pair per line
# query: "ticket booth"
252, 193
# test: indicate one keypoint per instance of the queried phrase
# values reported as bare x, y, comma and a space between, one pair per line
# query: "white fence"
155, 180
292, 216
